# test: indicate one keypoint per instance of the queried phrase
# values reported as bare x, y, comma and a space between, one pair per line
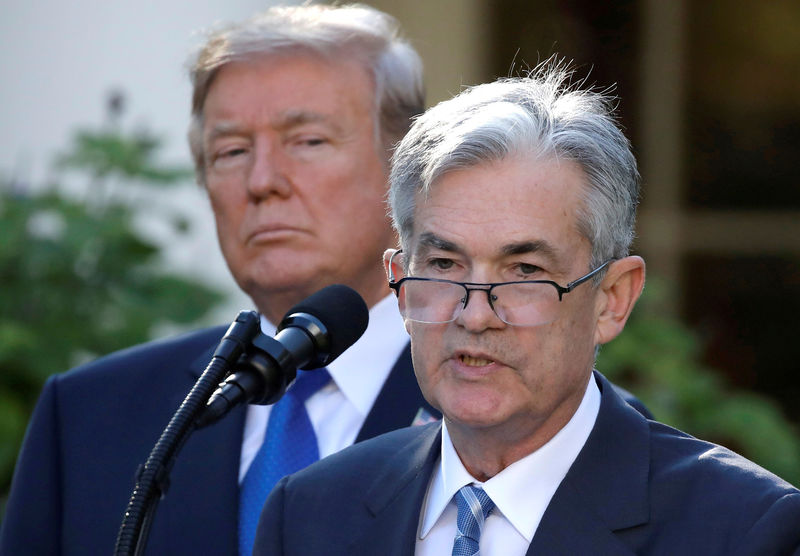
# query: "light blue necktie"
474, 506
289, 445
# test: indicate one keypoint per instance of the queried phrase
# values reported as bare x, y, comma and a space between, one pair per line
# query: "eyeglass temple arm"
572, 285
392, 279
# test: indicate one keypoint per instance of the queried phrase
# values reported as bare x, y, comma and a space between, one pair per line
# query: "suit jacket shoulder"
640, 486
90, 430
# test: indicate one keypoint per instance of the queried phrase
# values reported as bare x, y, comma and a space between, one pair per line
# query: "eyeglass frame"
489, 286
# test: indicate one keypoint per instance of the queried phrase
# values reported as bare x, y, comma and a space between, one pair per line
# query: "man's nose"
479, 315
270, 171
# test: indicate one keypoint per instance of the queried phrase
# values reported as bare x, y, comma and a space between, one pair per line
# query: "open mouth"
474, 361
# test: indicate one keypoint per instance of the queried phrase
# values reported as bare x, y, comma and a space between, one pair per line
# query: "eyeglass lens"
522, 304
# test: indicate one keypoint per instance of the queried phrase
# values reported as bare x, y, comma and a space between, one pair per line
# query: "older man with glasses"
515, 205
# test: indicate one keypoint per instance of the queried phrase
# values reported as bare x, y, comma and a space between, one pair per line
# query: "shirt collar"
361, 370
522, 491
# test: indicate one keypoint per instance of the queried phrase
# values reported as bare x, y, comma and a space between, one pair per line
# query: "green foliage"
658, 358
78, 279
107, 153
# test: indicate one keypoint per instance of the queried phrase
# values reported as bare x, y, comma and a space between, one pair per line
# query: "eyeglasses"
521, 303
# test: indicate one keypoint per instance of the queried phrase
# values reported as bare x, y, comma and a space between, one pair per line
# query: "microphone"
311, 335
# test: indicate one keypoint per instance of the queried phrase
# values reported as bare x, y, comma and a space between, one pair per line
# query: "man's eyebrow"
293, 118
222, 128
429, 240
524, 247
287, 120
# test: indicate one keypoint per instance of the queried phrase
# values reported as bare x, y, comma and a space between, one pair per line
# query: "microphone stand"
152, 478
264, 367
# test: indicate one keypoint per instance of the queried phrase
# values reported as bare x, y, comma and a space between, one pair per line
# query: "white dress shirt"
521, 492
338, 411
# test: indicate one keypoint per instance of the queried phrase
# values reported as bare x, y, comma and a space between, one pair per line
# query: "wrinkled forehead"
500, 206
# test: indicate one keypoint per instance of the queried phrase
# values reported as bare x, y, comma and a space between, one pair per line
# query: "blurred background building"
709, 93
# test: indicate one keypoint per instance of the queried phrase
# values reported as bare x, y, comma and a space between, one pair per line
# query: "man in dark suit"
294, 114
515, 204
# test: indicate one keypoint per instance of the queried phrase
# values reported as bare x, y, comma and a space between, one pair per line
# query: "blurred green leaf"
78, 279
108, 152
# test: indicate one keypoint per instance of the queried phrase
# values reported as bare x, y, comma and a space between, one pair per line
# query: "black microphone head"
342, 312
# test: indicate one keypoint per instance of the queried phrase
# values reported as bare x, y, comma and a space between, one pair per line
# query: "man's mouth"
271, 232
470, 361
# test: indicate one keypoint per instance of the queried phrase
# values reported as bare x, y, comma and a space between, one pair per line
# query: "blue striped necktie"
474, 505
289, 445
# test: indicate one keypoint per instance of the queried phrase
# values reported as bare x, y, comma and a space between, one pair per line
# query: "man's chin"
276, 292
472, 413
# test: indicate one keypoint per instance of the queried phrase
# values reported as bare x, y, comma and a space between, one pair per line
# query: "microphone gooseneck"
152, 477
312, 334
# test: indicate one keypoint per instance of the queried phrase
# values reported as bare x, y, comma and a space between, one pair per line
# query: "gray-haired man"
515, 205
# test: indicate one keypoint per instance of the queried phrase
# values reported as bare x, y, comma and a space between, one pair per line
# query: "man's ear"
395, 272
387, 257
619, 290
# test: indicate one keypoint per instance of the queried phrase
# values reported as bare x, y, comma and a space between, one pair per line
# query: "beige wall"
450, 35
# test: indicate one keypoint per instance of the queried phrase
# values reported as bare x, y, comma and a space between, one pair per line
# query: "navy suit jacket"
94, 425
637, 487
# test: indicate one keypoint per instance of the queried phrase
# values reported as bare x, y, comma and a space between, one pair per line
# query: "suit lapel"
395, 498
398, 402
569, 527
605, 490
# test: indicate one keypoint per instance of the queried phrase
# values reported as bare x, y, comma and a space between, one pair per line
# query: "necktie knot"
474, 506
